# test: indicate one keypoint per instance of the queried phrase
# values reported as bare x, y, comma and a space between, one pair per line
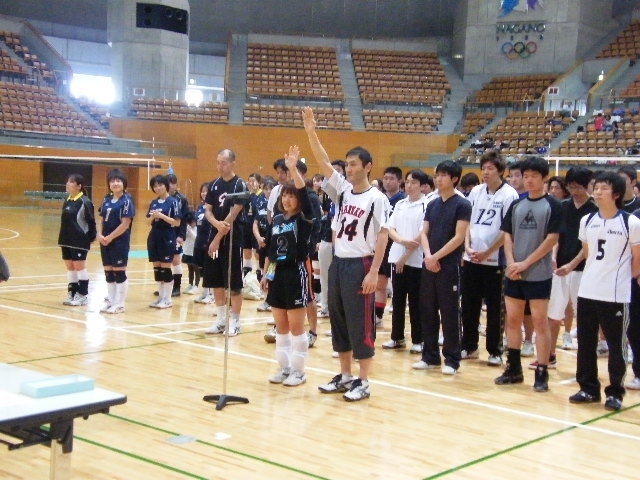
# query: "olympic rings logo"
519, 49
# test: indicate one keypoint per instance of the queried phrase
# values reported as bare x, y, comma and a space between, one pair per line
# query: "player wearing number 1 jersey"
484, 263
360, 227
611, 243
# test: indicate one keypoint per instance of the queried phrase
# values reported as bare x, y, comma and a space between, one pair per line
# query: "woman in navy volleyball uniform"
77, 231
163, 216
286, 276
114, 234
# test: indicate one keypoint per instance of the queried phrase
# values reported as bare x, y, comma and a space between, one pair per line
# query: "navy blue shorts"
161, 245
524, 290
215, 271
116, 254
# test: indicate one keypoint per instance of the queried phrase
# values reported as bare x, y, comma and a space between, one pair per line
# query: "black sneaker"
509, 376
613, 404
584, 397
541, 382
175, 293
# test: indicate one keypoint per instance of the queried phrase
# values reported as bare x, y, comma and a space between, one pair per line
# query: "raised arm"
316, 147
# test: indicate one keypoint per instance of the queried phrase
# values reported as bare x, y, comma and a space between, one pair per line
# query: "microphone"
245, 195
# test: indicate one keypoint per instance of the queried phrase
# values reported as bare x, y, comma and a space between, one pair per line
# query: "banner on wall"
508, 6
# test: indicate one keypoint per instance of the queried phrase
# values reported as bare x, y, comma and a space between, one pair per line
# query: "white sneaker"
114, 309
78, 300
464, 355
527, 349
204, 298
394, 344
422, 365
215, 329
323, 313
263, 307
567, 341
416, 348
359, 391
379, 323
105, 308
448, 370
280, 376
164, 304
312, 337
633, 384
294, 379
190, 290
494, 360
155, 303
270, 336
603, 348
234, 330
69, 299
327, 333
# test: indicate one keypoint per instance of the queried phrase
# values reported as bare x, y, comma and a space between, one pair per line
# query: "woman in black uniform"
77, 231
287, 277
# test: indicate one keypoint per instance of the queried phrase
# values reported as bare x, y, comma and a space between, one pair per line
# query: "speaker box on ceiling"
150, 15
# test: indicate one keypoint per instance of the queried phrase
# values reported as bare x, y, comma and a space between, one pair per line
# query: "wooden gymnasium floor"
416, 425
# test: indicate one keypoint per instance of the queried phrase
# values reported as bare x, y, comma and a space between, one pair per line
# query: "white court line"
441, 396
13, 232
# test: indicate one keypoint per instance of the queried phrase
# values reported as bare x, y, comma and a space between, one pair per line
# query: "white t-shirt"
273, 198
607, 272
407, 220
487, 212
359, 217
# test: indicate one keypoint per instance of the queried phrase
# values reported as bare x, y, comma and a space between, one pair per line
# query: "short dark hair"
469, 179
561, 181
162, 179
339, 163
630, 171
288, 188
517, 165
397, 171
257, 176
268, 184
361, 153
430, 182
117, 174
453, 169
78, 179
535, 164
618, 185
302, 167
580, 175
493, 156
419, 175
172, 178
280, 164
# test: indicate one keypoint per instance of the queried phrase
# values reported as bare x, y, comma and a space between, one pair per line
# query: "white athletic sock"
83, 274
111, 292
222, 314
176, 269
283, 350
121, 293
300, 344
72, 276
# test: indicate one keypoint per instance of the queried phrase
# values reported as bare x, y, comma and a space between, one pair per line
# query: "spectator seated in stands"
541, 148
554, 121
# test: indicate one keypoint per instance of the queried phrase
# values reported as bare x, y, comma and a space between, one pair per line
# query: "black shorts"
199, 255
188, 259
215, 272
290, 288
248, 238
161, 245
116, 254
74, 254
524, 290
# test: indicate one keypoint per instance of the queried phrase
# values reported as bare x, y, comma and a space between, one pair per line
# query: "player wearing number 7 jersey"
611, 243
360, 227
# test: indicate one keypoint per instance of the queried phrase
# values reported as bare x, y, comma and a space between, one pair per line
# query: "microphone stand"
221, 400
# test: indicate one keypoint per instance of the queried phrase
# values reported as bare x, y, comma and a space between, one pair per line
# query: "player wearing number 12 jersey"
484, 262
360, 227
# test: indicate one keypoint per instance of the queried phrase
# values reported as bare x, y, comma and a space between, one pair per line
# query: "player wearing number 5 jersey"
484, 262
360, 227
611, 243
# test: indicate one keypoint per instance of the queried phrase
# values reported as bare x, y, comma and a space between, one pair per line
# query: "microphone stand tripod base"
222, 400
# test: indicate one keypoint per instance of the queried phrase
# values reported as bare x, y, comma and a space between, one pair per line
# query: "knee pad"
110, 276
167, 275
157, 274
120, 276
